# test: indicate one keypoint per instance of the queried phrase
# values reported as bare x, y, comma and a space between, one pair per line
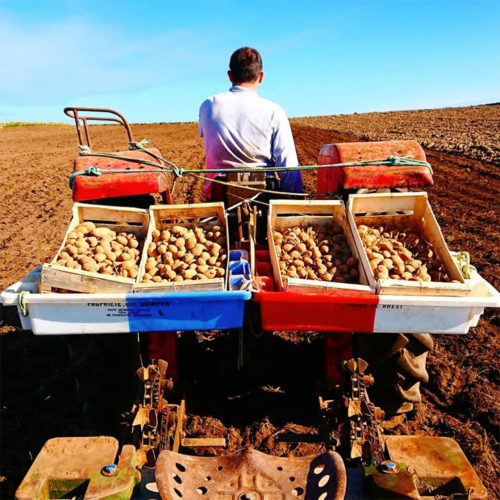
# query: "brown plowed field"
461, 400
473, 131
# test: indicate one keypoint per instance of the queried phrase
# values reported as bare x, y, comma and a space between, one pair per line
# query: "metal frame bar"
80, 118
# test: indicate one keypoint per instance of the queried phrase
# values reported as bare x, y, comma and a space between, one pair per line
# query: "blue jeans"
291, 182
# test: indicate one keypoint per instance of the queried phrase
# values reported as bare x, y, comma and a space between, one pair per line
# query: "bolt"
389, 467
109, 470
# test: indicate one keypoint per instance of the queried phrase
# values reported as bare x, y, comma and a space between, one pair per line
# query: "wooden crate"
289, 213
407, 210
163, 217
118, 219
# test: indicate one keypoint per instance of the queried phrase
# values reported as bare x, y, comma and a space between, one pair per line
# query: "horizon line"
20, 123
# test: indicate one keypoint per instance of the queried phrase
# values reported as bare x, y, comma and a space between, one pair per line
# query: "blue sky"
157, 61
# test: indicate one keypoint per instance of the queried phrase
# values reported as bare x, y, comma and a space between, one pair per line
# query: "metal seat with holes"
250, 475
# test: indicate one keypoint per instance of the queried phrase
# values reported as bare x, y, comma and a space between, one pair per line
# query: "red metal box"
90, 187
336, 179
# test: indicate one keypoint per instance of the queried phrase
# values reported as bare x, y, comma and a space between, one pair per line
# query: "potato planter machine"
378, 466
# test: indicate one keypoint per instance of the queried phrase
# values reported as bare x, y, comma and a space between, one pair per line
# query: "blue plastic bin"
159, 312
240, 267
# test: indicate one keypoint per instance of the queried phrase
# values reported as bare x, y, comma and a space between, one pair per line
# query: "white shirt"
240, 128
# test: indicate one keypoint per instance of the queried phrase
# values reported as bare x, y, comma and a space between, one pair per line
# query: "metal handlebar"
75, 113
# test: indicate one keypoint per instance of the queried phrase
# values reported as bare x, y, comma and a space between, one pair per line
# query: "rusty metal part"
398, 362
350, 421
250, 474
82, 115
398, 484
240, 224
71, 467
409, 395
159, 422
365, 436
253, 223
398, 466
247, 222
201, 442
171, 425
439, 464
413, 365
239, 181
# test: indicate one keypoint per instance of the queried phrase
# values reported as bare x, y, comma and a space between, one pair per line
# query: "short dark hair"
245, 65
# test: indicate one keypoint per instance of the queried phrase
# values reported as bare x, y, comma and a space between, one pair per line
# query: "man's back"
240, 128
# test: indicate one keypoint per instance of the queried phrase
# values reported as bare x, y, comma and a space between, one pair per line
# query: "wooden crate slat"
387, 202
192, 211
121, 215
59, 277
433, 233
304, 208
360, 250
212, 285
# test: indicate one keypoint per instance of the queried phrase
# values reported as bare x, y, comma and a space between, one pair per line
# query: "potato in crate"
311, 247
401, 245
186, 249
100, 252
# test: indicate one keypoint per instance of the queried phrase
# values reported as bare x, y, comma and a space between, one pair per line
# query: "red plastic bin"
332, 311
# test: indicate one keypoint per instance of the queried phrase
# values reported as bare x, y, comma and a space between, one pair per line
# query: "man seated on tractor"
241, 129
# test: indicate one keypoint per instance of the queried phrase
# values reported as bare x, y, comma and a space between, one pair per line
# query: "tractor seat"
250, 474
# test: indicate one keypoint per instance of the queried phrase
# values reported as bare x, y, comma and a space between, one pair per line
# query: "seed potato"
101, 232
101, 250
210, 274
195, 253
400, 255
319, 253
